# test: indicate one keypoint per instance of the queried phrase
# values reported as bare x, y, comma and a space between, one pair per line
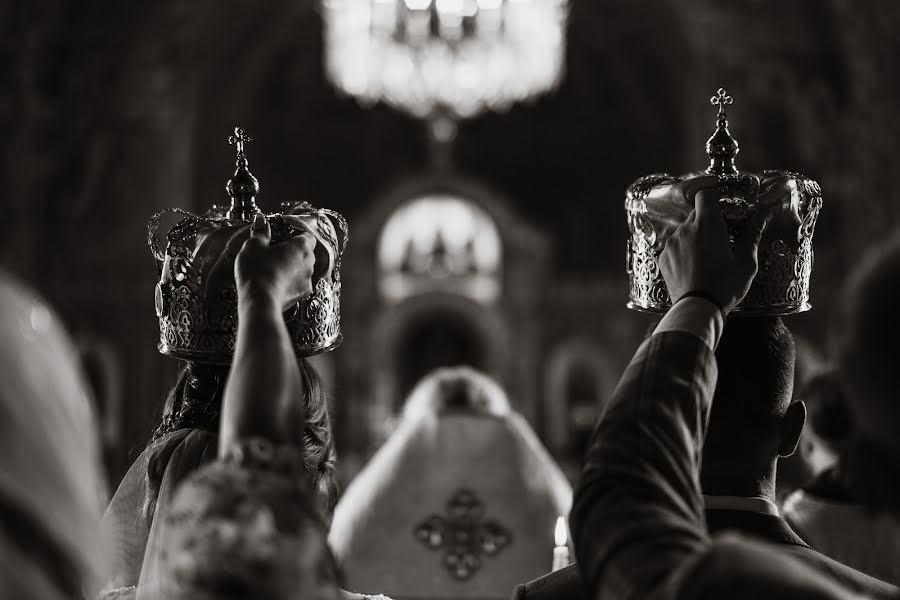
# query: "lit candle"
561, 551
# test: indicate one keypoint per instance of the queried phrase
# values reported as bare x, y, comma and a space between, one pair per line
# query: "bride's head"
195, 401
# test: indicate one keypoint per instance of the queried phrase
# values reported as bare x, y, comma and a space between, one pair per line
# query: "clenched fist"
699, 256
281, 272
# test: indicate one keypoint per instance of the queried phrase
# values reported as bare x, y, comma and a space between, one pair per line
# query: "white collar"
756, 504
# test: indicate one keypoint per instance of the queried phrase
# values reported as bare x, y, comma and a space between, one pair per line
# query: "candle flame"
560, 534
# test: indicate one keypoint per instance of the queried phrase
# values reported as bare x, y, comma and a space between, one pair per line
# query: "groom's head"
752, 421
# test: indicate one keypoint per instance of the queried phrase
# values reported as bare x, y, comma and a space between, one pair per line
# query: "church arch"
445, 330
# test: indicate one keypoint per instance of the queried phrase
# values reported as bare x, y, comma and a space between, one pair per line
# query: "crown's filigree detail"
195, 298
464, 535
785, 254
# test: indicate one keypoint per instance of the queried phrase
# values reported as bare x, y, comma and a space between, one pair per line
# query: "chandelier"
444, 58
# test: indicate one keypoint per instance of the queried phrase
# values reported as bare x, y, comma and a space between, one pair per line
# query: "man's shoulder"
776, 531
562, 584
849, 576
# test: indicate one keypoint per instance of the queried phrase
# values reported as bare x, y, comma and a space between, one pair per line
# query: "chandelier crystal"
453, 58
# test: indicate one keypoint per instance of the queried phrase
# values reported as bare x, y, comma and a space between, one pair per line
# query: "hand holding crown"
699, 256
279, 273
203, 276
673, 250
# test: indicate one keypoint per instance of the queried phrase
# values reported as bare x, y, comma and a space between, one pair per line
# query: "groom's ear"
791, 428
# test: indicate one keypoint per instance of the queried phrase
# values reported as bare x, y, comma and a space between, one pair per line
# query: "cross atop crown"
238, 139
721, 99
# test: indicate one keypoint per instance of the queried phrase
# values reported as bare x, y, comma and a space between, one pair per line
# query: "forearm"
265, 383
638, 506
696, 316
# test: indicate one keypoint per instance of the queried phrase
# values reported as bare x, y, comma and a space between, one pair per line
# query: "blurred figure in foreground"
50, 546
825, 511
829, 421
460, 502
867, 360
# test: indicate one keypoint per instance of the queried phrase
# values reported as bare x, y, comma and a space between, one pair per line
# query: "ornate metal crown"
781, 286
196, 299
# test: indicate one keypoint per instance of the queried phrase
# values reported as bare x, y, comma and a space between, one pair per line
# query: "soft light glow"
449, 6
440, 243
40, 317
456, 57
560, 535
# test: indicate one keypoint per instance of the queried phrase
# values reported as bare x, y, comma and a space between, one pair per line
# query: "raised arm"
264, 384
638, 518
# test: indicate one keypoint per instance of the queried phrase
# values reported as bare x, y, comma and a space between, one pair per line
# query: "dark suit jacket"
566, 583
637, 519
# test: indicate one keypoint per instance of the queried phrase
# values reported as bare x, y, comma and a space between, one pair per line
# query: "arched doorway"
437, 339
425, 332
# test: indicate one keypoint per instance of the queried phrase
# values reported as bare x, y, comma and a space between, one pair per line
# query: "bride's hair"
195, 402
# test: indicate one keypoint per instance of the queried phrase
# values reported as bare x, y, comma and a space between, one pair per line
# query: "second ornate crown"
781, 285
196, 299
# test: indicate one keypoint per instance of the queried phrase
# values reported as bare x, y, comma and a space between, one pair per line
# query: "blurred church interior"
492, 237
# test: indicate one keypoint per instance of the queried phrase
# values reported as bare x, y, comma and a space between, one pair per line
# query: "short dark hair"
755, 360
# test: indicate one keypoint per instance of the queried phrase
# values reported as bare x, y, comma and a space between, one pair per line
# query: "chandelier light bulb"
452, 7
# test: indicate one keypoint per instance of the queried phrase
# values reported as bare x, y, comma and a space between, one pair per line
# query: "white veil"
49, 454
132, 528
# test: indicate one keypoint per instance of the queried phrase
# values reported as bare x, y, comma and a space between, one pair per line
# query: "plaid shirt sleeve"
637, 517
